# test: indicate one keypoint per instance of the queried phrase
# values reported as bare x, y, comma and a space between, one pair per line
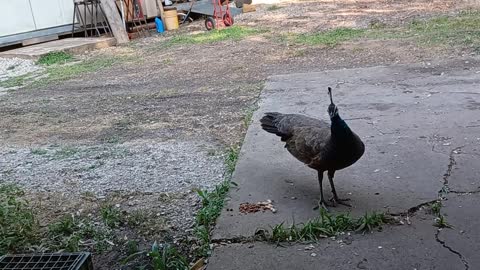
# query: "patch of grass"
38, 151
274, 7
462, 30
166, 257
111, 215
54, 58
137, 218
65, 152
247, 118
19, 227
231, 158
16, 81
73, 234
229, 33
441, 222
212, 204
58, 73
329, 38
325, 225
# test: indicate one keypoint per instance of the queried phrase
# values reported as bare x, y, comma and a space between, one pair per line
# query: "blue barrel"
159, 25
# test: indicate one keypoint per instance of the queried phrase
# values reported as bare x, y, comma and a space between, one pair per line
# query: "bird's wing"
287, 123
308, 143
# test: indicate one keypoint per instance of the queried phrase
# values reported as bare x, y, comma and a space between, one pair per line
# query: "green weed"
54, 58
74, 234
441, 222
325, 225
111, 215
229, 33
231, 158
166, 257
19, 227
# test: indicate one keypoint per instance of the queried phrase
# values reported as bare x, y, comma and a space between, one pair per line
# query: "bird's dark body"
318, 144
310, 140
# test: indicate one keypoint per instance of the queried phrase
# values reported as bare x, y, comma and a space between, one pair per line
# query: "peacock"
320, 146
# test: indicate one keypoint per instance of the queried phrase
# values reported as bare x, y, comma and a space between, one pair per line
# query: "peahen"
320, 146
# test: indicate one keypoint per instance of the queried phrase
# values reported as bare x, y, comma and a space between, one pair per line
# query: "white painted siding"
20, 16
15, 17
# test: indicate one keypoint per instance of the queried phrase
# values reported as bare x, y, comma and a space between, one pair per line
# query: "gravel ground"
167, 167
11, 67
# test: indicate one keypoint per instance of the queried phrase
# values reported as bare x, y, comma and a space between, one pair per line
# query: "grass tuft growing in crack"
231, 159
212, 204
325, 225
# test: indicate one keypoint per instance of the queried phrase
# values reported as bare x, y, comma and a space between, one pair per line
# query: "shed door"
16, 17
52, 13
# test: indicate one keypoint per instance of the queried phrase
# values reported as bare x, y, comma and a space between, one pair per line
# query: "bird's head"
332, 108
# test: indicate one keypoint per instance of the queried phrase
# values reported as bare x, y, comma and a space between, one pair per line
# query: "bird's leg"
321, 203
335, 200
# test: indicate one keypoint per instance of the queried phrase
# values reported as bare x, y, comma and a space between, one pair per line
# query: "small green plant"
70, 232
132, 247
166, 257
441, 222
111, 215
39, 151
325, 225
212, 204
231, 158
19, 227
436, 207
54, 58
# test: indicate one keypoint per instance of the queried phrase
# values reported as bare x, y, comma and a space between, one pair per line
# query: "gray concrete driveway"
421, 127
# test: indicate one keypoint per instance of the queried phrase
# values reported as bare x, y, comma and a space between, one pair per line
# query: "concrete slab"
399, 247
73, 45
412, 120
461, 211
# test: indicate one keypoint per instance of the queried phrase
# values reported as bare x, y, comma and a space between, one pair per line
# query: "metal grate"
51, 261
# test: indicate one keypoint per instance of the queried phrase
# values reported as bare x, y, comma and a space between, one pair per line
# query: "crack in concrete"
444, 244
464, 192
442, 193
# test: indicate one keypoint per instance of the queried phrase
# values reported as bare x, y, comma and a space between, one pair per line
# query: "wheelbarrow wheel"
228, 19
210, 23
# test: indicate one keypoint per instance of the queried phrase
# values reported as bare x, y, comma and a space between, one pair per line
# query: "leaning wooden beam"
115, 21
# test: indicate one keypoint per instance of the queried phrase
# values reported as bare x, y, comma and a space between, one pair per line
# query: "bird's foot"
336, 200
323, 204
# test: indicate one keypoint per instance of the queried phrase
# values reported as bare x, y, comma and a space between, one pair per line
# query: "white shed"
26, 19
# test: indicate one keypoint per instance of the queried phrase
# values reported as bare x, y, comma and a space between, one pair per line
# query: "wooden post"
162, 13
115, 21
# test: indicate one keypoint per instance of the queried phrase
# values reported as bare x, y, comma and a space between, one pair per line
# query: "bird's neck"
339, 127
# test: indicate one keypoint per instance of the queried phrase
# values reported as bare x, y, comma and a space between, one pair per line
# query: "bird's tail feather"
269, 123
